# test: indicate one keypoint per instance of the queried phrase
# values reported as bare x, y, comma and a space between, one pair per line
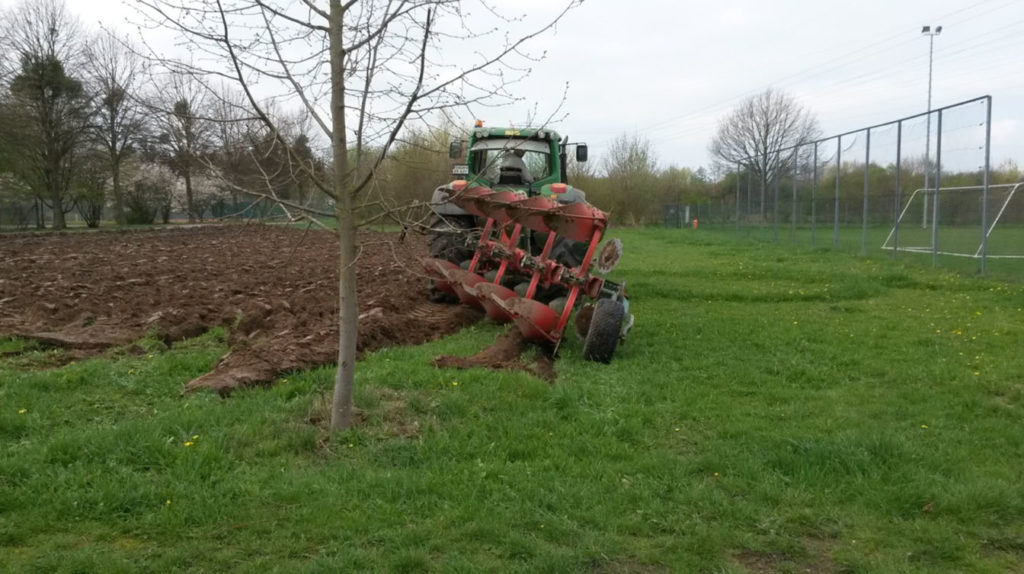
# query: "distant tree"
89, 185
148, 193
115, 72
631, 170
45, 116
760, 133
184, 132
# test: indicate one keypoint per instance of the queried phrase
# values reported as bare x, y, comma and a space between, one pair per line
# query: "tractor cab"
530, 160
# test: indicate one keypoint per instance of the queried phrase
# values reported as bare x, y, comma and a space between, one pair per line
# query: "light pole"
927, 31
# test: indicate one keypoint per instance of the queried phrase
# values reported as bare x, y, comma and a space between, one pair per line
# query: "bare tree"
631, 171
361, 69
47, 113
115, 69
184, 131
762, 132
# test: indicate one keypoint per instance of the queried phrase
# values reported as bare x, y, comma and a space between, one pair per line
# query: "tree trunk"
188, 195
348, 306
57, 200
115, 168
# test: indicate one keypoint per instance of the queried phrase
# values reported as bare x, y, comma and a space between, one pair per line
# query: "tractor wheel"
448, 237
603, 335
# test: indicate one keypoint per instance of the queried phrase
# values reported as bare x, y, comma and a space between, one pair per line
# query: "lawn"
775, 410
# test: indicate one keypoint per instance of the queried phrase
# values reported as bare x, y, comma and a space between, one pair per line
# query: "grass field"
1005, 244
775, 410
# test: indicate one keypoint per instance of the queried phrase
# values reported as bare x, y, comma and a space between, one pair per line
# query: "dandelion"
22, 411
716, 475
150, 356
677, 429
796, 322
977, 373
195, 436
924, 426
350, 445
455, 383
168, 503
189, 443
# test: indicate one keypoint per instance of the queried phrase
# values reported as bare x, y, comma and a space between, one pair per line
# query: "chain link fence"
919, 187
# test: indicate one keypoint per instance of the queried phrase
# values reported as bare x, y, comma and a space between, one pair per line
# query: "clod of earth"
275, 288
506, 353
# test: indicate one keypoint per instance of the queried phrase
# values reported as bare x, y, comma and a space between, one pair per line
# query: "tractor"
512, 237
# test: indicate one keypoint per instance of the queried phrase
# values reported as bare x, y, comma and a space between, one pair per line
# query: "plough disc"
494, 204
461, 281
491, 296
535, 320
466, 199
530, 212
437, 270
577, 221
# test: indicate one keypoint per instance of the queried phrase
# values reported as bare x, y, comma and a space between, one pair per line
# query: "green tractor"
511, 236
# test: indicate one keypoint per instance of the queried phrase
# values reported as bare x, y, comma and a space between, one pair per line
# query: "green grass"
1005, 240
796, 408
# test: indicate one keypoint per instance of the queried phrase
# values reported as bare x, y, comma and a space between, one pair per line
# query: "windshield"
511, 161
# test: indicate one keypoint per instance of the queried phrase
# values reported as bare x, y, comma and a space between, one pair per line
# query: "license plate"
460, 169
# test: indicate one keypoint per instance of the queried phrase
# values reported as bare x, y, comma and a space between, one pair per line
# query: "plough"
499, 256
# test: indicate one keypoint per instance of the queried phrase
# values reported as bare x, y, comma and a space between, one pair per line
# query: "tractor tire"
565, 251
603, 336
448, 242
448, 237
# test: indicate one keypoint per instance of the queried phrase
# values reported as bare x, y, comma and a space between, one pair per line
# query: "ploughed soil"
275, 288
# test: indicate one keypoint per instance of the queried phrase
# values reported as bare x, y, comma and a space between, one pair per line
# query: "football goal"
958, 229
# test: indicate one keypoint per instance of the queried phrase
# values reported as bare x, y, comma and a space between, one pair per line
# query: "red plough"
498, 254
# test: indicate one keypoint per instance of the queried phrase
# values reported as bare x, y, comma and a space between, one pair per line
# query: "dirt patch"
274, 287
817, 559
506, 353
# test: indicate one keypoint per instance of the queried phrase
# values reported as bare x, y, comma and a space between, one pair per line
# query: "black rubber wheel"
448, 241
448, 236
603, 336
565, 251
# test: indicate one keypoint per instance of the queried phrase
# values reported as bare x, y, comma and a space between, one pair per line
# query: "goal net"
958, 228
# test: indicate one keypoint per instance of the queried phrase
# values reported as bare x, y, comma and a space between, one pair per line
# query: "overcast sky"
669, 71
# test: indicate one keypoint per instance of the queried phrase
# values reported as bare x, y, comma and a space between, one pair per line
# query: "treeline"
88, 124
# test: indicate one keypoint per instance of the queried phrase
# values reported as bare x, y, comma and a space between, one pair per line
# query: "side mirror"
581, 153
455, 149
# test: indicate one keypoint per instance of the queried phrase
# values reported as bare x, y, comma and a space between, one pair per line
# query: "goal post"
959, 227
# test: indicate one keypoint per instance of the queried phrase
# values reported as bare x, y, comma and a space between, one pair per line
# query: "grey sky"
669, 71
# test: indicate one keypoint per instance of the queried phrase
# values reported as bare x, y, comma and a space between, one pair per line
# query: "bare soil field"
275, 288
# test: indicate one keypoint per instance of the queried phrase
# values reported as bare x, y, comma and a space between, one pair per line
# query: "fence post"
867, 185
839, 169
775, 199
985, 182
750, 185
938, 185
792, 221
814, 185
898, 201
737, 199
